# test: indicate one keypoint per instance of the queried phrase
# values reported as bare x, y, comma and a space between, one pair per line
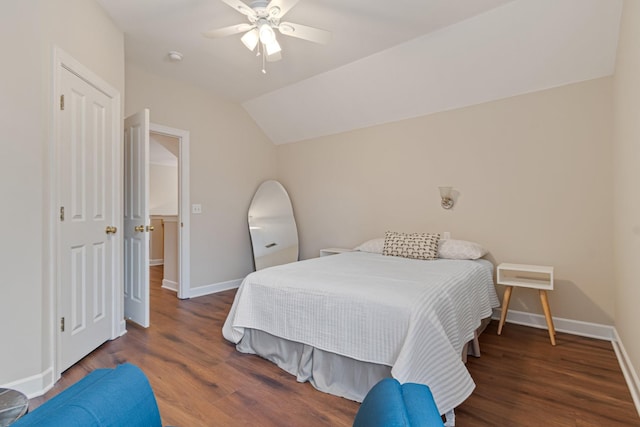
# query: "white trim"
574, 327
630, 374
170, 285
184, 254
214, 288
122, 328
35, 385
153, 262
62, 60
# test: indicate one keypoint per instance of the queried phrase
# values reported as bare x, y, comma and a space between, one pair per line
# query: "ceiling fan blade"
228, 31
304, 32
274, 57
240, 7
283, 7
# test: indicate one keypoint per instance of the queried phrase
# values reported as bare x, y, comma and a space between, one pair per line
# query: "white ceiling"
387, 60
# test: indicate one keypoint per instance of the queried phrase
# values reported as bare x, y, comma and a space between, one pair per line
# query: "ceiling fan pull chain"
264, 70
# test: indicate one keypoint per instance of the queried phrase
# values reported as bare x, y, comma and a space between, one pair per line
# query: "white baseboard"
214, 288
574, 327
629, 372
33, 386
170, 285
153, 262
123, 328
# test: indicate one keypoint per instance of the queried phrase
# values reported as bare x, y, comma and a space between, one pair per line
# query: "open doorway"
169, 205
164, 151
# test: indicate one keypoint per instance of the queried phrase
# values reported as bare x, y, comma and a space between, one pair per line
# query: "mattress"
412, 316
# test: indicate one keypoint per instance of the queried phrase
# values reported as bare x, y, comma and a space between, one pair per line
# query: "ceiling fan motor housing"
262, 11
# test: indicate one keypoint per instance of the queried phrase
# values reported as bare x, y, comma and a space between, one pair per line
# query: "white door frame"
184, 257
62, 60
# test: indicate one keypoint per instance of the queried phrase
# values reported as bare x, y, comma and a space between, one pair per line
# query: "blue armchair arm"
390, 404
106, 397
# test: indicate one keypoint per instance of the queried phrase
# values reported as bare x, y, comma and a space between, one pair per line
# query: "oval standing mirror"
274, 235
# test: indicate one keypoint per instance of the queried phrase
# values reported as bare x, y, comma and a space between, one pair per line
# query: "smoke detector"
175, 56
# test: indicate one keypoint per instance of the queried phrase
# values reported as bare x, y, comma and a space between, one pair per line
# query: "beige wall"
21, 158
170, 270
156, 240
229, 156
626, 180
533, 174
31, 29
163, 190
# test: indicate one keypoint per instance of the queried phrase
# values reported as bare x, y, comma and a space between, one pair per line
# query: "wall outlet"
196, 209
446, 235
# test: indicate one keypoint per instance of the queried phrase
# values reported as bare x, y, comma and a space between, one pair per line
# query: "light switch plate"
196, 208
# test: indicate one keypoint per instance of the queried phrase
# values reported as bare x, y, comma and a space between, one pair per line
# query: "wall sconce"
447, 200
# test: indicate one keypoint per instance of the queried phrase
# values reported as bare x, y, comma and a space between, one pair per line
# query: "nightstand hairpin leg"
505, 307
547, 314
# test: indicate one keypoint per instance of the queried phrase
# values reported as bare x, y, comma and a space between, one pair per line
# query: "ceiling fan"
264, 17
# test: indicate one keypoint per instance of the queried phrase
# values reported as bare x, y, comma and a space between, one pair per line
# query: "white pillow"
374, 245
460, 249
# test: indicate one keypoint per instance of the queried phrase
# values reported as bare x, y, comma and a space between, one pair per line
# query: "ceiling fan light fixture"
251, 39
267, 35
273, 47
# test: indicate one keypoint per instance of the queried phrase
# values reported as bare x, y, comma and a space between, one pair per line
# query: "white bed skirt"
328, 372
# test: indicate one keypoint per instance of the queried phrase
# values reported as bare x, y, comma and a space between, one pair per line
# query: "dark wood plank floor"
201, 380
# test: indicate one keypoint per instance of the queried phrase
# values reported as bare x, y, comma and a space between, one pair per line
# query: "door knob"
111, 229
139, 228
150, 228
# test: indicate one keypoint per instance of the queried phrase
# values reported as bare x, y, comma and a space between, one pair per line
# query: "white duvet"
412, 315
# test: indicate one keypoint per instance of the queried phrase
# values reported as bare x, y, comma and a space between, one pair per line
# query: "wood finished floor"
201, 380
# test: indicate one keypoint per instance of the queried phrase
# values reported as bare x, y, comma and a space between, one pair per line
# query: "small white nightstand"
538, 277
333, 251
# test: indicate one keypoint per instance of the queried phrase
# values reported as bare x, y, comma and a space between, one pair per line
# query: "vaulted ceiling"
386, 61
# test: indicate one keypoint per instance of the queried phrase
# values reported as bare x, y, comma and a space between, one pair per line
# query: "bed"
345, 321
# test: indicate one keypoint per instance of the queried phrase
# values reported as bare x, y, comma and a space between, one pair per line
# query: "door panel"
99, 279
136, 215
78, 289
85, 172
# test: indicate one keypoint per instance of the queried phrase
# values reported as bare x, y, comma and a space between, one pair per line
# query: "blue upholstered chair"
391, 404
106, 397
